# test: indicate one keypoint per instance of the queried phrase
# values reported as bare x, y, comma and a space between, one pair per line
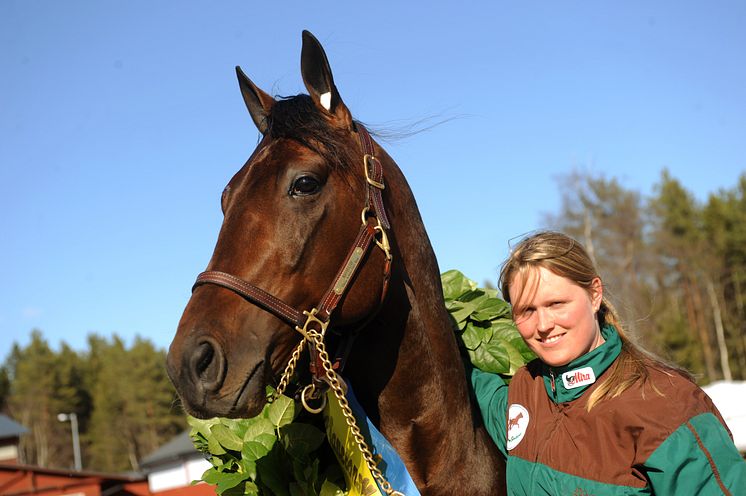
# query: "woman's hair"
565, 257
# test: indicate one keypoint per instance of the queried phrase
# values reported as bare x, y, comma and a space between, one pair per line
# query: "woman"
595, 414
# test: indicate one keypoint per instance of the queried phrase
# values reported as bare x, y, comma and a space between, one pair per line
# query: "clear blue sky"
121, 122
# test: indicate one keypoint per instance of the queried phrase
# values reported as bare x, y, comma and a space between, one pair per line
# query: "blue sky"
121, 122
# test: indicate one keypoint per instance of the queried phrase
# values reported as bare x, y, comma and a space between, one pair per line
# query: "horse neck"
415, 379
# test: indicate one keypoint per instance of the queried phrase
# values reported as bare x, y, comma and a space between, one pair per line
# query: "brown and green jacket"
640, 442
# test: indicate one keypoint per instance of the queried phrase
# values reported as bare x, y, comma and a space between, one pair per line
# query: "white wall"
730, 399
177, 474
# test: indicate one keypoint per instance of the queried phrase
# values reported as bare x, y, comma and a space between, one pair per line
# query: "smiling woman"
596, 414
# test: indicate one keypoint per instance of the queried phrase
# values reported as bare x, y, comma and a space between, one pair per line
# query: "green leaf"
506, 331
282, 411
491, 357
201, 426
270, 472
330, 489
214, 445
248, 467
228, 481
473, 336
258, 447
227, 438
306, 474
237, 426
475, 296
490, 309
251, 489
296, 489
492, 293
211, 476
461, 312
455, 284
257, 426
300, 440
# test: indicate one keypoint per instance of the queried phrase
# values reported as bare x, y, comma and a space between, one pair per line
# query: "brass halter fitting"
383, 240
367, 158
383, 243
312, 319
315, 395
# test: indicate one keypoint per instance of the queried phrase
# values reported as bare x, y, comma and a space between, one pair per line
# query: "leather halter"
374, 229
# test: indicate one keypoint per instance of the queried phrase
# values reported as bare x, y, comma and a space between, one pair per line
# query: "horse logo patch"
517, 424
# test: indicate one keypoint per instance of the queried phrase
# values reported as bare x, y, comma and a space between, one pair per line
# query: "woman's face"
555, 316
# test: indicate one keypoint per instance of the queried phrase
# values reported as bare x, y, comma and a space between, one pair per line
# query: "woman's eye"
304, 186
523, 313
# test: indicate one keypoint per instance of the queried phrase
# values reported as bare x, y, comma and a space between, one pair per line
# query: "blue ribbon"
391, 465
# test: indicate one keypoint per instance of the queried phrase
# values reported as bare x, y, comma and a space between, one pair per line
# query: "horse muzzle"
208, 386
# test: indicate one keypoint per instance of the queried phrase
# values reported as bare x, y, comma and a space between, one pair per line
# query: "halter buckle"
366, 159
311, 318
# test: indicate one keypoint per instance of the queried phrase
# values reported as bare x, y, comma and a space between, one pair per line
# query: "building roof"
178, 448
10, 428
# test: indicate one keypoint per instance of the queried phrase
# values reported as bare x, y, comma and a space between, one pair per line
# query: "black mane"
298, 118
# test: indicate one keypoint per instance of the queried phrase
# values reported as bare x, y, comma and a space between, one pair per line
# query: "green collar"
571, 381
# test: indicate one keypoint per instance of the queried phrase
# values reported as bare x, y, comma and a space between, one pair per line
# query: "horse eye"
304, 186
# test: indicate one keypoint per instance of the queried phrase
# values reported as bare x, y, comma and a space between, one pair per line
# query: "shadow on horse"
320, 217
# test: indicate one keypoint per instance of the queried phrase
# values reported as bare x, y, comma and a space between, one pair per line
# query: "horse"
292, 226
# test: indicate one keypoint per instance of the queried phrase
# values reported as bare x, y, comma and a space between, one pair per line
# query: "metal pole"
76, 441
73, 418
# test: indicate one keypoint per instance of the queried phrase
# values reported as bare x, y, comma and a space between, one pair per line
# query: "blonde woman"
595, 414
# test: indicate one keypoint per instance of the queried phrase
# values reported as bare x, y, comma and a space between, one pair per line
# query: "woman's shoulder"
676, 386
661, 404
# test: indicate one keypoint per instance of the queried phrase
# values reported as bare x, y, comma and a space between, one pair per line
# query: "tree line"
125, 404
674, 267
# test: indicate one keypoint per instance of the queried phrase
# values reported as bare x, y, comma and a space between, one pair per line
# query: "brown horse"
291, 216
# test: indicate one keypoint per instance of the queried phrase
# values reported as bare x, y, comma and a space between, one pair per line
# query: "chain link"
287, 374
332, 378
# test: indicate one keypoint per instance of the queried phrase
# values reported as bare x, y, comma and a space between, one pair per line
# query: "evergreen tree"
4, 388
39, 391
132, 404
680, 249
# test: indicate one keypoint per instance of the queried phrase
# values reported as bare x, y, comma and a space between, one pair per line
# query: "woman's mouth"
551, 339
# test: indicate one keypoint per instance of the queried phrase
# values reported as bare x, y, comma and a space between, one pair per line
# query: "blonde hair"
565, 257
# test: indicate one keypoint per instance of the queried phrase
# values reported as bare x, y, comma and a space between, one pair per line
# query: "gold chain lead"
333, 381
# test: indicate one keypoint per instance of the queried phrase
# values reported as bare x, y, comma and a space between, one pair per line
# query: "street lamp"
64, 417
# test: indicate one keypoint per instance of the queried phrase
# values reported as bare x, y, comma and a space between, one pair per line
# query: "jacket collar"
569, 382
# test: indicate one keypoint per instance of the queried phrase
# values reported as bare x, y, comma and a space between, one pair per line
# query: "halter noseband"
369, 233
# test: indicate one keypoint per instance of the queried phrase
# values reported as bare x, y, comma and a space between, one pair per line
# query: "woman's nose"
545, 320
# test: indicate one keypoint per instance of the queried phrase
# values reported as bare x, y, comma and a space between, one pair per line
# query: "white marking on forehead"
326, 100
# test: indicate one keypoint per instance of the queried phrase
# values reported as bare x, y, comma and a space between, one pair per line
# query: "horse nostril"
207, 365
203, 357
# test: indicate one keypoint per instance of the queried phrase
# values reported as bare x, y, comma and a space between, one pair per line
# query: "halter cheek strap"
374, 229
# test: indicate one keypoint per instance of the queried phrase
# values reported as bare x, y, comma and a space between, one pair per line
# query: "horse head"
290, 217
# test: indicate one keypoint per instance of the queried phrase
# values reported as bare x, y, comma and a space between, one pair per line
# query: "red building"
168, 472
23, 480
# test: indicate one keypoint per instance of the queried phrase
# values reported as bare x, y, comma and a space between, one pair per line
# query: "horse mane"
297, 118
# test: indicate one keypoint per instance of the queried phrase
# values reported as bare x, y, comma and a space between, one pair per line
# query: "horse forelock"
298, 118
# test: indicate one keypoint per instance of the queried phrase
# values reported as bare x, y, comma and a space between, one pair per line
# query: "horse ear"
258, 102
317, 76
